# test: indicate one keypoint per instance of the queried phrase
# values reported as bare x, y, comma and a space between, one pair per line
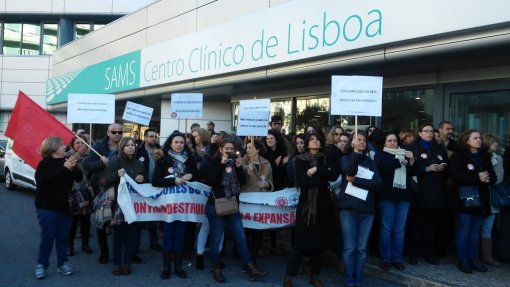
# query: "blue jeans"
487, 224
393, 216
173, 236
55, 228
235, 224
355, 231
467, 235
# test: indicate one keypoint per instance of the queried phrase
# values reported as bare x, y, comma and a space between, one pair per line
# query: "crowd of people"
387, 193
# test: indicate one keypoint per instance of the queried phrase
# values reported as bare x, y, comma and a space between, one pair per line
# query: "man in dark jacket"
145, 151
94, 165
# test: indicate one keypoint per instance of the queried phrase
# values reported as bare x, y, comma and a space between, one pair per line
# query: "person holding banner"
259, 178
55, 176
360, 180
174, 167
125, 235
315, 226
226, 176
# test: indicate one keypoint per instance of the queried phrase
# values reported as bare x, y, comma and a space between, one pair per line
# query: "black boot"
200, 262
167, 259
178, 265
253, 272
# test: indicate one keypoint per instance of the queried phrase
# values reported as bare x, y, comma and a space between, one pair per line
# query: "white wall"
25, 73
63, 7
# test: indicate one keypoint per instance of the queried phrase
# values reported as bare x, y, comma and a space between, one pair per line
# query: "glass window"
81, 29
283, 108
12, 39
407, 109
348, 123
98, 26
312, 111
50, 38
31, 39
486, 111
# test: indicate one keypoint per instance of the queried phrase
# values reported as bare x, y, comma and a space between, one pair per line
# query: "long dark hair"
281, 144
168, 143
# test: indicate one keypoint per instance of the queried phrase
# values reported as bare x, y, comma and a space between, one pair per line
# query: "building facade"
30, 31
440, 61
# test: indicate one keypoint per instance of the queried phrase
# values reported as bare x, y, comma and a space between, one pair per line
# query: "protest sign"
252, 123
137, 113
356, 95
187, 105
91, 108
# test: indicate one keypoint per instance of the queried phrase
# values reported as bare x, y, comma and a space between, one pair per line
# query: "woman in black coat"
393, 199
55, 176
315, 225
430, 202
174, 168
471, 165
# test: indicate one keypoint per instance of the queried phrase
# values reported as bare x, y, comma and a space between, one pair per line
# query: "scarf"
229, 181
178, 164
400, 177
310, 206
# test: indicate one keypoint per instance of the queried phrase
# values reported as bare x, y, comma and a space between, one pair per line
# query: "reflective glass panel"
50, 38
31, 40
12, 39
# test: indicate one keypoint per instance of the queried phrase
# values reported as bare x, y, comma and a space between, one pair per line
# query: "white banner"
187, 105
356, 95
91, 109
267, 216
263, 105
286, 197
137, 113
144, 202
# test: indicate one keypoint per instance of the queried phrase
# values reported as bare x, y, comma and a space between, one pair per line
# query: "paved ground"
19, 235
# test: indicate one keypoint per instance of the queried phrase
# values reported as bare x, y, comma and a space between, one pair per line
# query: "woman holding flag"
55, 176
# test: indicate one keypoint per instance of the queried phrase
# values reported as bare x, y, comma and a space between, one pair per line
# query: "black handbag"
500, 195
470, 198
81, 197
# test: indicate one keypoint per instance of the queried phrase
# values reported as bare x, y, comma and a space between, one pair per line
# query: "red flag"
29, 125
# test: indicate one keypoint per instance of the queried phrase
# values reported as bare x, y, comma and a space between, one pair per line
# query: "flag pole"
85, 142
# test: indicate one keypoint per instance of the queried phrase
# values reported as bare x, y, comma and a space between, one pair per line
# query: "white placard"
187, 105
356, 96
252, 123
255, 105
358, 192
91, 109
137, 113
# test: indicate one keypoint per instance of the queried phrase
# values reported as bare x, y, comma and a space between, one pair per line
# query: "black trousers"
84, 221
423, 232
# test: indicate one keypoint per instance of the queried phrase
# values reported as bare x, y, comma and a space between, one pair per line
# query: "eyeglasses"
428, 131
116, 132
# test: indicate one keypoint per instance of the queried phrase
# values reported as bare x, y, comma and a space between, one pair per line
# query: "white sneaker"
40, 272
65, 269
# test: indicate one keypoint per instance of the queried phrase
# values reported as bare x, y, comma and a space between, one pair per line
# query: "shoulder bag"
500, 195
470, 198
225, 206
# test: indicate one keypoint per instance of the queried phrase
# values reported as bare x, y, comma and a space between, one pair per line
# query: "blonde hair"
50, 145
